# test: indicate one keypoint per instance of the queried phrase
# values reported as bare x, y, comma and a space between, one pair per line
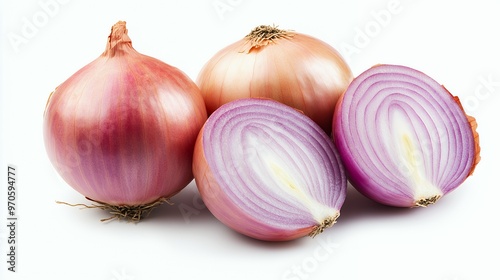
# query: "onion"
268, 171
403, 138
121, 130
292, 68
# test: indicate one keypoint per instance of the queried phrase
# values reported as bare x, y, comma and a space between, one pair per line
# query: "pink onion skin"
122, 130
296, 69
360, 169
234, 215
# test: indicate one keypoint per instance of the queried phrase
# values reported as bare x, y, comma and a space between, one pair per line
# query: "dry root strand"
328, 222
130, 213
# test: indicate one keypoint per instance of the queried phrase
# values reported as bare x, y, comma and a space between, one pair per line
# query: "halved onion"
268, 171
403, 138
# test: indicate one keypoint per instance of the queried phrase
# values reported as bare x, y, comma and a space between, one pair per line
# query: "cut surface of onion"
268, 171
403, 138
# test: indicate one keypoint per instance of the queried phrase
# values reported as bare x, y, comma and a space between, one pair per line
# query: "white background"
455, 42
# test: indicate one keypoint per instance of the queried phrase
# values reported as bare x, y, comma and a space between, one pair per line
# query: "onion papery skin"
121, 130
267, 171
404, 139
293, 68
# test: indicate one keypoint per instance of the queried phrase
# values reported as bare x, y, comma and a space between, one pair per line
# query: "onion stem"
118, 36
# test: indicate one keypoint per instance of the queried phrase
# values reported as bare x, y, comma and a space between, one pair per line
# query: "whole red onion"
121, 130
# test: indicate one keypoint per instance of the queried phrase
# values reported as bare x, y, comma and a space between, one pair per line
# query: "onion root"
327, 223
424, 202
130, 213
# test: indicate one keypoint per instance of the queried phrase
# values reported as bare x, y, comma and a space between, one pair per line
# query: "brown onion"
292, 68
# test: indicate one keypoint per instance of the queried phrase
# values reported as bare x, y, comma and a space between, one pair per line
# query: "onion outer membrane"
267, 171
403, 138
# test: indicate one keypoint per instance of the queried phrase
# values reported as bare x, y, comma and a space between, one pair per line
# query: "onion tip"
118, 36
263, 35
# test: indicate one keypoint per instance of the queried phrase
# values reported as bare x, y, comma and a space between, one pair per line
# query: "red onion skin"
122, 129
473, 125
227, 211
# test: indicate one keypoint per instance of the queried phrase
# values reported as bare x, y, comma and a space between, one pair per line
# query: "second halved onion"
403, 138
268, 171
